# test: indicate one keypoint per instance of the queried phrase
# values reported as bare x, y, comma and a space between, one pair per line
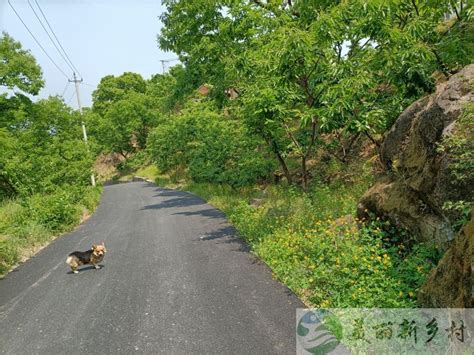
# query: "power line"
68, 101
65, 89
50, 38
54, 34
39, 44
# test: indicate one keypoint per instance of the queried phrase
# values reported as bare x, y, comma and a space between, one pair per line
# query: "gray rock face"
416, 181
451, 283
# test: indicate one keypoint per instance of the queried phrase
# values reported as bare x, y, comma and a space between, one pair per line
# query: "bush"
209, 147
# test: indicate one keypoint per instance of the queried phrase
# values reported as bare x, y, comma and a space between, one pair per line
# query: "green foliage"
45, 166
210, 147
458, 147
302, 68
123, 112
54, 211
18, 68
43, 150
135, 162
456, 39
112, 89
40, 142
459, 212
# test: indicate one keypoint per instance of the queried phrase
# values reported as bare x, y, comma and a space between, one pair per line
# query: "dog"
93, 256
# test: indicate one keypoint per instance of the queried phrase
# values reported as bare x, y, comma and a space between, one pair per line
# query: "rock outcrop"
416, 182
451, 283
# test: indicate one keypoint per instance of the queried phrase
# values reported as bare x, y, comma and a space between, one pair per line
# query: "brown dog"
93, 256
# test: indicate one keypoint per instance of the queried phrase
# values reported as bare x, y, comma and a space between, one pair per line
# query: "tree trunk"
304, 182
282, 162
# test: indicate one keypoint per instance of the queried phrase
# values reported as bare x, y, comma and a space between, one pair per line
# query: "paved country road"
176, 279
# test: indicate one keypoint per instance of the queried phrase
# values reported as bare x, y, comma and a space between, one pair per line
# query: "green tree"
112, 89
304, 68
40, 142
18, 68
48, 151
123, 113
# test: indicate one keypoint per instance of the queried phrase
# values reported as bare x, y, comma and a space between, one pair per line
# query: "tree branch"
441, 64
416, 7
298, 146
313, 137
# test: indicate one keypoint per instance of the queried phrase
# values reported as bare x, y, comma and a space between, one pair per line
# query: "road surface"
176, 279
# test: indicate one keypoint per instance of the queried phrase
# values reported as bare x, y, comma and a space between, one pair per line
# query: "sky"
101, 37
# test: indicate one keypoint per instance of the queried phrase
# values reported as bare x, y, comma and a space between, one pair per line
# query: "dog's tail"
69, 260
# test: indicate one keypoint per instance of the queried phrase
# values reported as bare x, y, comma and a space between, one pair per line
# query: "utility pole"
84, 133
162, 66
163, 61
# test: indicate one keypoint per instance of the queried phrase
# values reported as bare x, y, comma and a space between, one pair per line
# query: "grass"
28, 224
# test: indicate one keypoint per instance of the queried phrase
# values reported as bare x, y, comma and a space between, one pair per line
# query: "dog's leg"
97, 267
72, 264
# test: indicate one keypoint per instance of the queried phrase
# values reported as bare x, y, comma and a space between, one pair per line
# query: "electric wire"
65, 89
37, 42
54, 34
49, 36
70, 98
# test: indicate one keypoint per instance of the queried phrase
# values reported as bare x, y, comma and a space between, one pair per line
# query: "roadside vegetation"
45, 167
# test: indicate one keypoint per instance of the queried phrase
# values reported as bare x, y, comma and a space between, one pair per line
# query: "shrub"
56, 212
210, 147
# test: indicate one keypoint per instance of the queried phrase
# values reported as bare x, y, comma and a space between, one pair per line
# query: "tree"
124, 113
40, 142
112, 89
18, 68
48, 151
305, 68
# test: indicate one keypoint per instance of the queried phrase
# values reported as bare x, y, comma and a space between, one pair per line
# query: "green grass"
150, 172
314, 245
28, 224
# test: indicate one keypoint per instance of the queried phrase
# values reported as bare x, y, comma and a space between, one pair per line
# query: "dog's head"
99, 250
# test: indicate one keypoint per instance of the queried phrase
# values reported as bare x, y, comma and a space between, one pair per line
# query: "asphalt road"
176, 279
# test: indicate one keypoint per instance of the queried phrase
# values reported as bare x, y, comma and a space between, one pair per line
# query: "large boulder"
416, 180
451, 283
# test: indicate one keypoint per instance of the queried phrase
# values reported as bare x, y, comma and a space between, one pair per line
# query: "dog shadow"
89, 267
